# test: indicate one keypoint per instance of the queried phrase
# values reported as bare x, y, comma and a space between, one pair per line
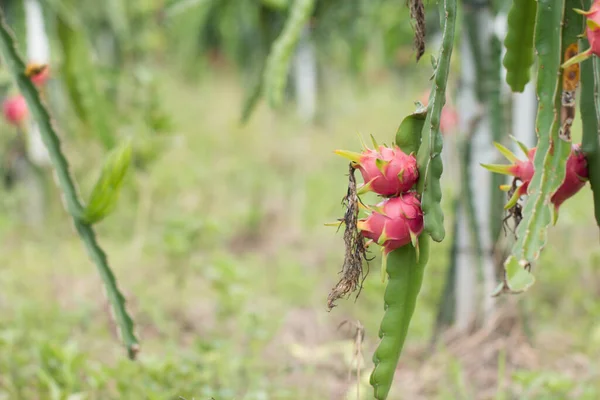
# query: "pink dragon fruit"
386, 171
592, 32
522, 170
15, 109
395, 222
575, 177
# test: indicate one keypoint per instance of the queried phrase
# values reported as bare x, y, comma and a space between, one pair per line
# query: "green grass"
221, 251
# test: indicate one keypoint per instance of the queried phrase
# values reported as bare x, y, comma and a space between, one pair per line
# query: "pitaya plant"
390, 173
83, 216
407, 175
555, 169
551, 173
396, 224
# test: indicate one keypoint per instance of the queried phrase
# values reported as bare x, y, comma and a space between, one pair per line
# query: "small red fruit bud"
38, 73
15, 109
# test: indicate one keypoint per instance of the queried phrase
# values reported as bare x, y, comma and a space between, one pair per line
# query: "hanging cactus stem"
74, 207
553, 170
590, 115
429, 154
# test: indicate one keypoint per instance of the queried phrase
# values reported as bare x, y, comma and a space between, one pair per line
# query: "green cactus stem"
518, 58
429, 154
73, 206
590, 117
551, 41
278, 62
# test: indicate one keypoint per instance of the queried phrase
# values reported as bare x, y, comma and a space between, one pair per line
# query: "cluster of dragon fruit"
392, 174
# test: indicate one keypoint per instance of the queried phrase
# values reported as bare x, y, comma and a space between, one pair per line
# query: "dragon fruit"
387, 171
576, 175
395, 222
592, 32
15, 109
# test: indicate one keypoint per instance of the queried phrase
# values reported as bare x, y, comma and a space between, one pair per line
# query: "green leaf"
80, 76
408, 136
15, 64
106, 192
405, 278
429, 155
278, 62
518, 58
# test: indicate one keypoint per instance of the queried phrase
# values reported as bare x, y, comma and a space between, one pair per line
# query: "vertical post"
475, 277
305, 77
38, 51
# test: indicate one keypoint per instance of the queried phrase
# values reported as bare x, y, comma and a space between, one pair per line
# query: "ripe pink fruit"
386, 171
15, 109
576, 174
575, 178
395, 222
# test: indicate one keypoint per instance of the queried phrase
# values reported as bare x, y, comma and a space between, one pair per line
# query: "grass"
221, 251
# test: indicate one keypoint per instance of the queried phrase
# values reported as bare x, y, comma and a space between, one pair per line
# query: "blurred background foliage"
218, 238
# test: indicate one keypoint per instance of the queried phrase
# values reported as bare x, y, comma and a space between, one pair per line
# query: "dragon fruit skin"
387, 171
576, 176
395, 222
